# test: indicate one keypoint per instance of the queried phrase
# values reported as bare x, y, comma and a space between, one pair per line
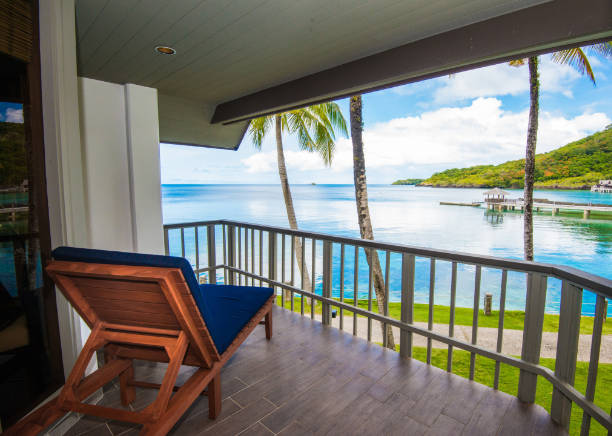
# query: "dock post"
586, 214
555, 211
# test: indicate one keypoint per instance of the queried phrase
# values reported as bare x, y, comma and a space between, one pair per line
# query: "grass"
513, 319
508, 381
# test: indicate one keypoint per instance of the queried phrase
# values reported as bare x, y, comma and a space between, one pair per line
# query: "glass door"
30, 354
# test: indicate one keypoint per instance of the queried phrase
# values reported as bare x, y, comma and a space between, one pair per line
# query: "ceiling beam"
531, 31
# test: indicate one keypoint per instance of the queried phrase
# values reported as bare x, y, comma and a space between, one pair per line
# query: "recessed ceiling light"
165, 50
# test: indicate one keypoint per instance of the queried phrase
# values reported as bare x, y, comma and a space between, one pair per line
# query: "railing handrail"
592, 282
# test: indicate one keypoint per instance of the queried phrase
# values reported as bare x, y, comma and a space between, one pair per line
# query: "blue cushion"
214, 309
232, 307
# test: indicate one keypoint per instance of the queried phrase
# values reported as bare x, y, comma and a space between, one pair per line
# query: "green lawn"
508, 381
513, 319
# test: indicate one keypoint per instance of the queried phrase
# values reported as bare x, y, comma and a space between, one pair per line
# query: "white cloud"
503, 79
13, 115
481, 133
266, 162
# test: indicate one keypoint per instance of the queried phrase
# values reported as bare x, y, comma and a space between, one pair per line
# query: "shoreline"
541, 188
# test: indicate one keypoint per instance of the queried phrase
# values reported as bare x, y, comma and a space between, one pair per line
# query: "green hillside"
408, 181
577, 165
13, 169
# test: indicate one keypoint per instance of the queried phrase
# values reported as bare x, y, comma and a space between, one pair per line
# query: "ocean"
413, 216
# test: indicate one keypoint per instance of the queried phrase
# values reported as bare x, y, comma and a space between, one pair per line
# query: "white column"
145, 179
64, 170
120, 135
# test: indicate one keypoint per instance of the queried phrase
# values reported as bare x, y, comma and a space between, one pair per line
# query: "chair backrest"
117, 289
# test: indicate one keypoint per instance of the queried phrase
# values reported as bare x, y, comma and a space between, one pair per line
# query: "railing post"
212, 254
327, 273
532, 334
567, 350
272, 257
231, 253
407, 308
166, 243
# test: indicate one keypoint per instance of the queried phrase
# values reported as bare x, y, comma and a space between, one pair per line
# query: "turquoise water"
413, 216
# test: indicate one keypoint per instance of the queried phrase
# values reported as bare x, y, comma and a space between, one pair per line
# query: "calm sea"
413, 216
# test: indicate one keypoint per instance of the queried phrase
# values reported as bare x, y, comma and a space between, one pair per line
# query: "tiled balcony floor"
311, 379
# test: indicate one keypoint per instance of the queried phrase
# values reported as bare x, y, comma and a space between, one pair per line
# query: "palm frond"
576, 58
603, 48
258, 128
298, 124
517, 62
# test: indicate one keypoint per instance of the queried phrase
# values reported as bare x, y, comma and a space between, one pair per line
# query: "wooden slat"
386, 302
212, 253
128, 316
302, 275
451, 322
94, 285
283, 268
182, 242
16, 31
475, 319
407, 307
272, 248
313, 282
567, 350
370, 281
600, 308
197, 250
327, 281
124, 297
500, 325
141, 306
341, 285
532, 334
292, 257
432, 286
261, 256
224, 253
239, 253
246, 254
355, 289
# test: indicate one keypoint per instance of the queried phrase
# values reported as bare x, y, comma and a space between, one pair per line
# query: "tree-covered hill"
13, 169
408, 181
577, 165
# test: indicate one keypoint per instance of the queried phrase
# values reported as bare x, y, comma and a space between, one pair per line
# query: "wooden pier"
555, 207
452, 203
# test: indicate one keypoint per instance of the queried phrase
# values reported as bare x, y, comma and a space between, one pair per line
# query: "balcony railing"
264, 255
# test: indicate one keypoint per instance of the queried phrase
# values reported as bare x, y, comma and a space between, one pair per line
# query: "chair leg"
128, 392
269, 325
214, 397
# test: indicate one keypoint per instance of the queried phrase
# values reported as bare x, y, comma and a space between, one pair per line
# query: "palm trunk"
363, 211
532, 136
282, 172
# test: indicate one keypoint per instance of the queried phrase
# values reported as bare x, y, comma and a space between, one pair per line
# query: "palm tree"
315, 128
363, 210
577, 58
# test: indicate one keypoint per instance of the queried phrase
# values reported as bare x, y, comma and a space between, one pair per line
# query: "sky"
412, 131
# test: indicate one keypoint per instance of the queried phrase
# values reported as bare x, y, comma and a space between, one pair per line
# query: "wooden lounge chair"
151, 308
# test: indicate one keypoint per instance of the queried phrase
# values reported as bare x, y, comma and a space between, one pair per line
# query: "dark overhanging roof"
239, 60
532, 31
